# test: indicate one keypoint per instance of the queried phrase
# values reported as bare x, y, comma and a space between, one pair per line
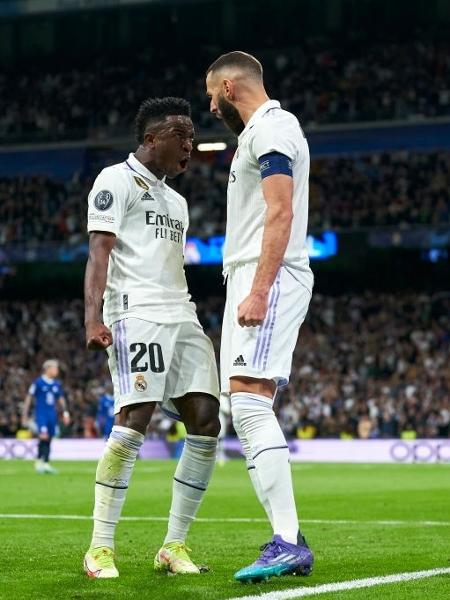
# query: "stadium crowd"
398, 188
367, 366
319, 81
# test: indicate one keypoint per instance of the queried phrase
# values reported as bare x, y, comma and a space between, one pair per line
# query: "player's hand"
25, 422
98, 336
66, 418
252, 311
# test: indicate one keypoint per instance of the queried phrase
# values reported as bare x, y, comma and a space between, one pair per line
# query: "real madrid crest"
140, 385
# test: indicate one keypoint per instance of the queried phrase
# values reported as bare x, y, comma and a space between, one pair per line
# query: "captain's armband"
275, 163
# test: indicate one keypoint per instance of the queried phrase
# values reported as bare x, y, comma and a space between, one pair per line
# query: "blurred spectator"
390, 189
368, 366
319, 81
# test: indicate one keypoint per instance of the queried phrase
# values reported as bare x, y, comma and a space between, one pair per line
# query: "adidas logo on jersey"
239, 362
147, 196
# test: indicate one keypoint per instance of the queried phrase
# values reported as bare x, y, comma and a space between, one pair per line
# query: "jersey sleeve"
276, 135
32, 389
107, 202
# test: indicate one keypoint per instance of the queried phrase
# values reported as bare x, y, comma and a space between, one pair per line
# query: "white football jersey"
270, 129
146, 277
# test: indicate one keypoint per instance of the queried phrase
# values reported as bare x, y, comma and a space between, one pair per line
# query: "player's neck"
144, 158
249, 105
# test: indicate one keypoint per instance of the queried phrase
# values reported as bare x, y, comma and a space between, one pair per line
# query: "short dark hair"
156, 109
239, 59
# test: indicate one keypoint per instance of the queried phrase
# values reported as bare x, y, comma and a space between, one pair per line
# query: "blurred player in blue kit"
105, 413
47, 393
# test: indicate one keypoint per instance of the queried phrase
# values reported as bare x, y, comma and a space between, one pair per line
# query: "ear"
149, 139
229, 89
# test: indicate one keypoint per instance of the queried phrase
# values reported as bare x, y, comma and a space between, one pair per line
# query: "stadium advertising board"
320, 451
209, 252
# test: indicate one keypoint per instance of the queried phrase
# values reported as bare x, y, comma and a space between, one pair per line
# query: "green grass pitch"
43, 558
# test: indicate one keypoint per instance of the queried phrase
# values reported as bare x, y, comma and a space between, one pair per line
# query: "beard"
230, 115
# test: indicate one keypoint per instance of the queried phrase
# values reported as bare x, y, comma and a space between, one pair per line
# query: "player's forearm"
94, 288
100, 246
26, 408
277, 230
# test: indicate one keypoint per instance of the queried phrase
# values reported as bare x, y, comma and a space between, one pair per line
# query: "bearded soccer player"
269, 286
158, 352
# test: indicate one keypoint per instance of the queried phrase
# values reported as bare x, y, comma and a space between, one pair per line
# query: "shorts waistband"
229, 269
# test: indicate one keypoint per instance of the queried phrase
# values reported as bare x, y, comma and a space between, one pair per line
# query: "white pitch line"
77, 471
353, 584
233, 520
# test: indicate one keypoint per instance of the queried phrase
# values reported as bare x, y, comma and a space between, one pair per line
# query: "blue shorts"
46, 424
107, 427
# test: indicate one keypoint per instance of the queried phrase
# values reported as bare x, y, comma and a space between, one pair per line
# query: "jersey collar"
138, 167
47, 379
259, 112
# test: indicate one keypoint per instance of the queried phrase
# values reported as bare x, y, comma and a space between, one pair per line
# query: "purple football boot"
279, 558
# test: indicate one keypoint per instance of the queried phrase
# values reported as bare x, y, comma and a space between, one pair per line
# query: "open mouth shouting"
183, 163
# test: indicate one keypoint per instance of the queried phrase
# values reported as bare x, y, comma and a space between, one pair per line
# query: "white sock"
113, 475
254, 414
190, 481
262, 497
221, 456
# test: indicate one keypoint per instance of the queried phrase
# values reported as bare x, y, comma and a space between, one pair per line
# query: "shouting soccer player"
269, 286
158, 352
47, 392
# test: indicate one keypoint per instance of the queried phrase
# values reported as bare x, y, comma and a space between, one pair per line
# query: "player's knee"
136, 416
210, 428
205, 424
240, 420
248, 411
205, 420
252, 385
239, 414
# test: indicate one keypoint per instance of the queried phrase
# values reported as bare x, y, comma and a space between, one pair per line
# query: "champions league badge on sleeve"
103, 200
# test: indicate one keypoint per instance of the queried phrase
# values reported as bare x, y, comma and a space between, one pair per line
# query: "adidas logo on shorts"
146, 196
239, 362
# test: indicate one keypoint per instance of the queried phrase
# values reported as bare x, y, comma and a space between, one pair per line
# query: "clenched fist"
252, 311
98, 336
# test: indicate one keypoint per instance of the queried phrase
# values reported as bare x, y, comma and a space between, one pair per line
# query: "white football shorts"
265, 351
154, 362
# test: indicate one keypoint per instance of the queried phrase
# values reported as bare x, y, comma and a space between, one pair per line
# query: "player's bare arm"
65, 412
277, 190
26, 410
98, 336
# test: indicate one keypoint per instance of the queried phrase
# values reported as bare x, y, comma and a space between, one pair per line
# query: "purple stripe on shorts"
123, 370
274, 316
262, 327
117, 354
126, 374
268, 323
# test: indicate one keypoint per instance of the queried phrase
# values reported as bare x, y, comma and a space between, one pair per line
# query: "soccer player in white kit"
269, 286
158, 352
